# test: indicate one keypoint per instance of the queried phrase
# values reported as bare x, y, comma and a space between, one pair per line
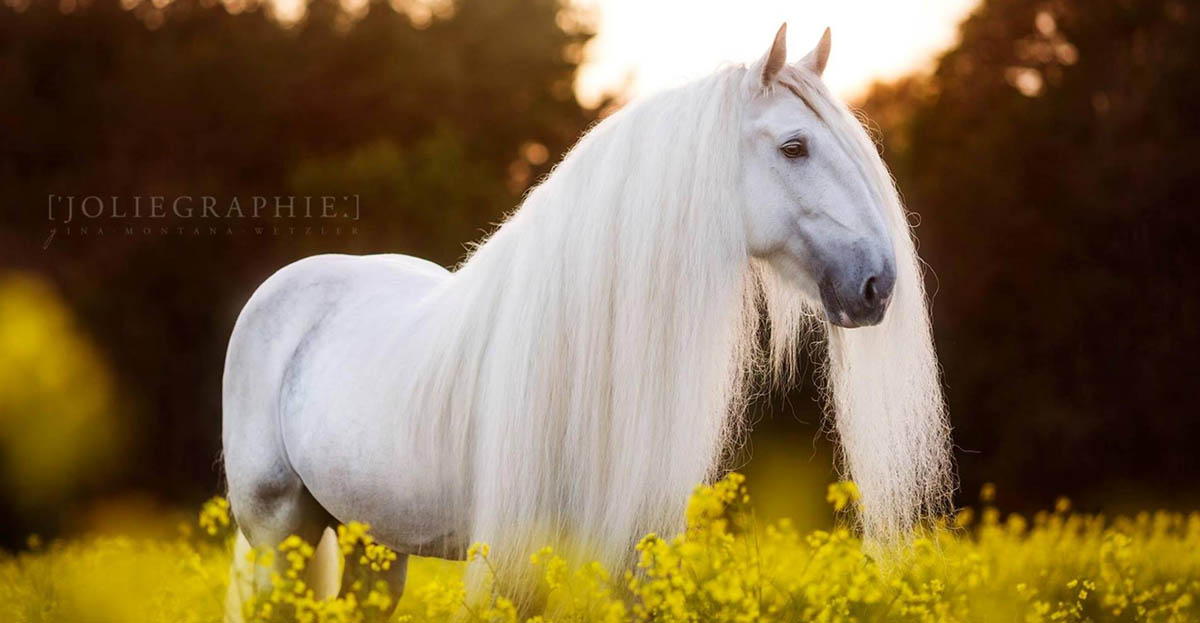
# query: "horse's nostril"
870, 295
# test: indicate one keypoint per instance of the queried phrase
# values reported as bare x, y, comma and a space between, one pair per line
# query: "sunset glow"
644, 46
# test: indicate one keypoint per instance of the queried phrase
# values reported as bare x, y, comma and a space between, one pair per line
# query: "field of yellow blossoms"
1056, 567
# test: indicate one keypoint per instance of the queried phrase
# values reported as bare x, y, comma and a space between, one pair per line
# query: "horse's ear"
816, 59
774, 59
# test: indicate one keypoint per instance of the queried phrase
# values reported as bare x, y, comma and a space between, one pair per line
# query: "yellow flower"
214, 515
842, 494
724, 567
478, 551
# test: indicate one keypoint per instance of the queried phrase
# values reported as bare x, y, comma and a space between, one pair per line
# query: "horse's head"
810, 211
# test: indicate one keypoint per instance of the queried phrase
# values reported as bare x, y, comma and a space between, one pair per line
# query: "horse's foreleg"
394, 575
324, 570
241, 580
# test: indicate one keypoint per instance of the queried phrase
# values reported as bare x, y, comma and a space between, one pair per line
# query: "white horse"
587, 366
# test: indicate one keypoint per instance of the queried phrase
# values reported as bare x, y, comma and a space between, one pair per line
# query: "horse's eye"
795, 148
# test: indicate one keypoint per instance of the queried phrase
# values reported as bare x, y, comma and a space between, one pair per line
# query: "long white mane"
588, 364
883, 383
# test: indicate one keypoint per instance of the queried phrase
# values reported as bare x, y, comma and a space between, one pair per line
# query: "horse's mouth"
849, 315
844, 320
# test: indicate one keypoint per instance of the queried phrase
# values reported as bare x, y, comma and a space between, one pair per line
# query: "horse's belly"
405, 511
359, 471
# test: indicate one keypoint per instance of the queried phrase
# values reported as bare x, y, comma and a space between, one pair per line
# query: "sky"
643, 46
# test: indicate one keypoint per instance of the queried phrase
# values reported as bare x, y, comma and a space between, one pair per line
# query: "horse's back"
284, 319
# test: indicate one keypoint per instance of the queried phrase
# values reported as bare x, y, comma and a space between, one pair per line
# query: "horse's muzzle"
857, 293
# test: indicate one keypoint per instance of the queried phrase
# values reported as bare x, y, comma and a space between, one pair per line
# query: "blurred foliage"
1057, 567
381, 173
58, 430
1053, 157
436, 114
